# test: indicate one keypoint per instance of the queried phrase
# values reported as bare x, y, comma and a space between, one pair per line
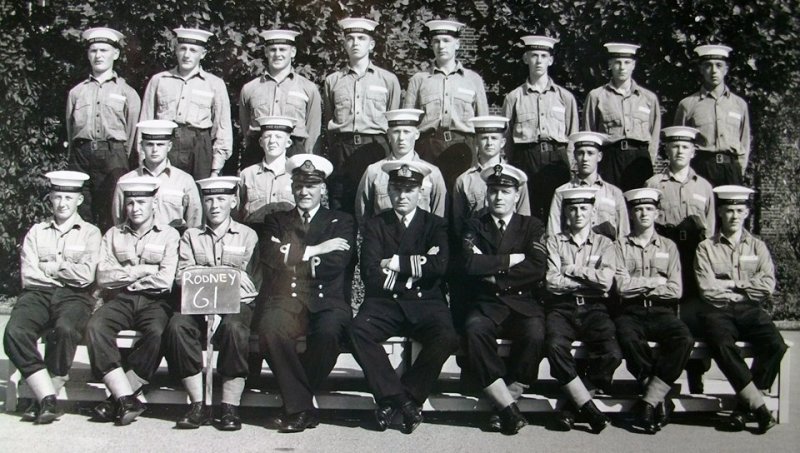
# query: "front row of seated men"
542, 292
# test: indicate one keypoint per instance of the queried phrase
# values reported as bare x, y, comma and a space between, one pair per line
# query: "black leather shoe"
299, 422
765, 419
564, 420
195, 417
129, 407
664, 412
48, 410
736, 421
512, 419
106, 411
597, 420
229, 418
495, 425
31, 410
412, 416
645, 417
384, 416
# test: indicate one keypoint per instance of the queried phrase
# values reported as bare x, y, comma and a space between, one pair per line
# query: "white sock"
750, 395
58, 383
194, 387
656, 391
135, 381
577, 392
499, 394
517, 389
41, 384
232, 389
118, 383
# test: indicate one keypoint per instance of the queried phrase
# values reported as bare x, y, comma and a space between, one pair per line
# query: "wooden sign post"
210, 291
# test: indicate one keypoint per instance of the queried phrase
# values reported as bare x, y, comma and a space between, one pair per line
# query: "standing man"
280, 91
649, 284
723, 145
373, 191
543, 115
735, 274
686, 216
101, 115
403, 258
450, 94
631, 117
306, 253
198, 102
58, 261
505, 262
221, 242
266, 186
609, 216
580, 273
356, 99
138, 260
178, 202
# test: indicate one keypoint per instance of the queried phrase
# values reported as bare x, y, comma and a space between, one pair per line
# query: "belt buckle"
720, 158
647, 303
546, 147
447, 136
579, 300
623, 145
93, 145
356, 139
682, 235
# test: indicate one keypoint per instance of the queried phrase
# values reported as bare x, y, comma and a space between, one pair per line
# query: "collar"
227, 226
410, 156
349, 69
706, 93
278, 166
506, 219
529, 87
655, 239
198, 71
633, 89
164, 167
110, 79
409, 217
681, 176
478, 167
579, 239
745, 238
127, 228
458, 69
591, 180
73, 222
311, 212
266, 75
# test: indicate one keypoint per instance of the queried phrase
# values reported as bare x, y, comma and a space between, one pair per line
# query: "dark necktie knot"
502, 224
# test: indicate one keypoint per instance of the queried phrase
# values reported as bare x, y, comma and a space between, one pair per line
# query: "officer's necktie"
403, 222
306, 220
502, 224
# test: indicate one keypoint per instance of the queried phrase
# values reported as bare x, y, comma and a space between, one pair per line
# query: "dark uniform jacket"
319, 282
518, 286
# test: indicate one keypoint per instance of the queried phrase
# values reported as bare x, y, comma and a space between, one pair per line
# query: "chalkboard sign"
210, 291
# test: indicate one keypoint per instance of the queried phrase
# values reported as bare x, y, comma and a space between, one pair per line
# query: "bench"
346, 388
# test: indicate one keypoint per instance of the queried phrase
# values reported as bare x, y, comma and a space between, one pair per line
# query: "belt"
646, 302
446, 135
580, 300
627, 143
94, 145
186, 129
545, 147
720, 157
358, 139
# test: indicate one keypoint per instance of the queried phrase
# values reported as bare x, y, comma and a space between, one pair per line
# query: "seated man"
649, 284
580, 273
136, 268
305, 254
403, 258
227, 243
177, 203
505, 262
735, 274
266, 187
58, 261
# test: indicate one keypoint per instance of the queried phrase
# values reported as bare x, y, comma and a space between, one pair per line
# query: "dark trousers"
350, 161
547, 167
281, 326
145, 313
192, 151
104, 162
719, 168
527, 350
591, 324
431, 325
451, 157
744, 321
58, 314
254, 154
637, 325
184, 345
626, 168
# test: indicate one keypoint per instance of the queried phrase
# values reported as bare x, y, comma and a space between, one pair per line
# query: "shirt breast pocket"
233, 256
202, 101
633, 266
382, 201
203, 259
477, 200
342, 108
463, 100
173, 199
47, 254
127, 257
114, 106
74, 253
612, 119
425, 194
525, 125
748, 265
296, 102
660, 263
431, 103
81, 112
153, 253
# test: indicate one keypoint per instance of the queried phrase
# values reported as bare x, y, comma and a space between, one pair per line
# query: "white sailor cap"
621, 50
503, 175
156, 129
102, 34
66, 181
406, 173
713, 52
358, 25
279, 36
403, 117
578, 195
679, 134
218, 185
444, 27
139, 186
732, 195
587, 138
192, 36
308, 168
488, 124
539, 42
276, 123
644, 195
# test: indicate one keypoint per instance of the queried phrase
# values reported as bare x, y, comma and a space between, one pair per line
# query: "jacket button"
419, 295
394, 296
320, 286
293, 284
497, 294
294, 294
321, 295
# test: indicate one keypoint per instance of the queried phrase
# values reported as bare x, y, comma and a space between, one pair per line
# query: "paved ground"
350, 431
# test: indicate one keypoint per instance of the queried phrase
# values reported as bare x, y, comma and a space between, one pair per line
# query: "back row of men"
102, 112
513, 280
